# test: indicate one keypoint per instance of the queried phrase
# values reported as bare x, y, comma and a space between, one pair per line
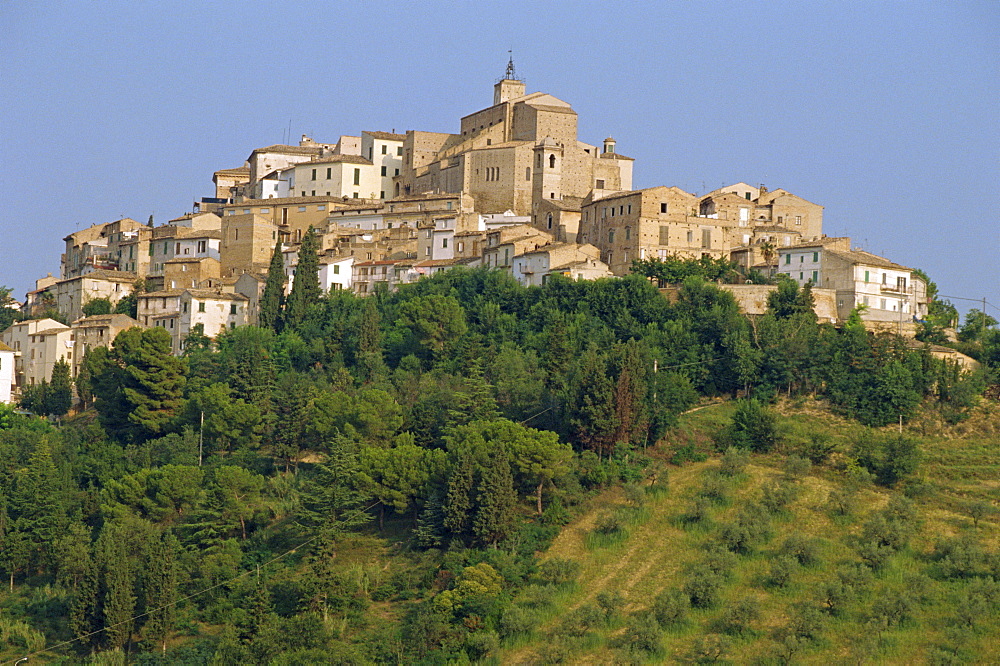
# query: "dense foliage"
242, 487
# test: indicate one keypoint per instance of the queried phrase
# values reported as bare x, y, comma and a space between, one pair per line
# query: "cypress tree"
496, 510
273, 298
305, 286
59, 397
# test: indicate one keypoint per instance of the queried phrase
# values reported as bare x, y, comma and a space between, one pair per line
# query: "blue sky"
886, 113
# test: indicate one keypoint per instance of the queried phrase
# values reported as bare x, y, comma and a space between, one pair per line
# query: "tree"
496, 502
399, 477
753, 427
139, 385
97, 306
8, 310
592, 418
247, 354
59, 398
305, 285
370, 363
976, 325
331, 501
435, 321
273, 297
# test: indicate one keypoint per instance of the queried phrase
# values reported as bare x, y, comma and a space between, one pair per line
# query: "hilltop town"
514, 189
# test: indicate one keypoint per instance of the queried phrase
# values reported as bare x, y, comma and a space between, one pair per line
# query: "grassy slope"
959, 465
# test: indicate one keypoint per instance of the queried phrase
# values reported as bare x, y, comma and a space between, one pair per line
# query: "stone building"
532, 268
890, 292
512, 155
72, 294
96, 331
37, 345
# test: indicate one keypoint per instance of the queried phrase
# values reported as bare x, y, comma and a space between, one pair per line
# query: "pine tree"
273, 298
305, 287
371, 365
458, 501
160, 588
593, 419
59, 398
496, 502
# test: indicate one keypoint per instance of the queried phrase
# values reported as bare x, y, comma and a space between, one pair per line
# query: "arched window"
539, 160
397, 189
550, 221
552, 161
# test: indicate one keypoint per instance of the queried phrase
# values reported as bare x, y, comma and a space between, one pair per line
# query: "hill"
768, 559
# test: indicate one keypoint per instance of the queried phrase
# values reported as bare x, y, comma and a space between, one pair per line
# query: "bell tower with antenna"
509, 87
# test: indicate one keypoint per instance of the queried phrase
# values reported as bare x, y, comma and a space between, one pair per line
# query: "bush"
776, 496
889, 457
734, 462
796, 467
748, 531
961, 557
709, 649
803, 549
703, 587
892, 608
842, 502
642, 635
558, 571
781, 571
610, 604
670, 607
806, 621
714, 489
738, 617
581, 620
517, 620
478, 644
697, 511
817, 449
753, 427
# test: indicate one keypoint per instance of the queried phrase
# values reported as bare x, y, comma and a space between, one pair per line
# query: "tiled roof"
216, 295
867, 258
101, 274
385, 136
334, 159
290, 150
164, 293
5, 348
238, 171
616, 156
51, 331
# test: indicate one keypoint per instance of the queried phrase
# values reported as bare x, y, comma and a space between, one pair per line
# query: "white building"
889, 291
335, 273
385, 151
6, 373
348, 176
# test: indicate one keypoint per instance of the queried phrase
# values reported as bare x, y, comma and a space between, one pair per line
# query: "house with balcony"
892, 294
532, 268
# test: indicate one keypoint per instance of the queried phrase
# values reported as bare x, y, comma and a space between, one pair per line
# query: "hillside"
923, 605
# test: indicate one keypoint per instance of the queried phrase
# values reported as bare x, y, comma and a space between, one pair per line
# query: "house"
74, 293
6, 374
385, 151
505, 243
38, 344
891, 294
533, 267
340, 176
180, 311
96, 331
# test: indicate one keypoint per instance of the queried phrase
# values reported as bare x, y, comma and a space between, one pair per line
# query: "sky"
885, 113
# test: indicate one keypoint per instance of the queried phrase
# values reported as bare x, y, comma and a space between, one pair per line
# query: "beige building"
88, 250
72, 294
228, 182
532, 268
654, 223
891, 293
505, 243
96, 331
742, 207
37, 345
291, 216
248, 241
512, 155
179, 311
263, 161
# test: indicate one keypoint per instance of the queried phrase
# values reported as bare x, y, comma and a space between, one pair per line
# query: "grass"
654, 550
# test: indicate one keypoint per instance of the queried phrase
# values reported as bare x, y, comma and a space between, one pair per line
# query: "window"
355, 195
177, 249
815, 257
336, 269
313, 193
201, 307
612, 211
321, 207
314, 174
265, 210
664, 235
621, 210
381, 195
628, 233
815, 277
552, 161
866, 276
399, 150
384, 170
706, 238
882, 304
397, 172
232, 308
690, 237
527, 173
384, 148
788, 258
798, 219
302, 209
629, 209
357, 176
600, 184
444, 242
506, 256
461, 246
611, 236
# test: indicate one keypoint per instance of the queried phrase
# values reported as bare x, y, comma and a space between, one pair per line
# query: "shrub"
776, 496
817, 449
670, 607
802, 548
796, 467
558, 571
642, 635
781, 571
635, 495
960, 557
842, 502
889, 457
696, 511
806, 621
892, 608
738, 616
709, 649
703, 587
714, 489
753, 427
610, 604
734, 462
750, 529
478, 644
581, 620
517, 620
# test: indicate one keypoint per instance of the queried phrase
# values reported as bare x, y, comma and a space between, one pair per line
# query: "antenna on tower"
509, 74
